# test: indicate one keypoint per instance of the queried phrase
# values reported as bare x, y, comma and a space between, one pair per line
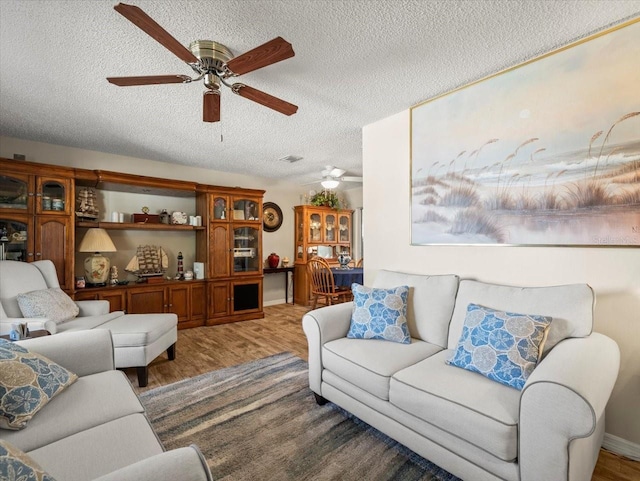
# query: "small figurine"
114, 275
180, 274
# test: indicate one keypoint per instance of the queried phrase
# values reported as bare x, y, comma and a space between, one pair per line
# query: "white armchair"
138, 338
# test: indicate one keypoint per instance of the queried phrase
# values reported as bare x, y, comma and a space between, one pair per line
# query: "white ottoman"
139, 338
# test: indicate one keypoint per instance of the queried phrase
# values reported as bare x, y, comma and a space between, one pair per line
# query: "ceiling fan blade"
265, 99
351, 179
266, 54
149, 80
148, 25
211, 106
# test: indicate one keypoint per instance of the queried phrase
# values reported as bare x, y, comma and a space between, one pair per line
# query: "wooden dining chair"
323, 284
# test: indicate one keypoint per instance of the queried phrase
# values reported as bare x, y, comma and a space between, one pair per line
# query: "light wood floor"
204, 349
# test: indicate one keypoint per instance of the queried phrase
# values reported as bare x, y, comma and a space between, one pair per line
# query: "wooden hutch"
37, 221
321, 231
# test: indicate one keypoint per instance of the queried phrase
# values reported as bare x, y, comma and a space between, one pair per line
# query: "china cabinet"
35, 216
232, 250
319, 231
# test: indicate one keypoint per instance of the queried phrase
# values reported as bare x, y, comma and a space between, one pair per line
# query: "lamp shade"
329, 183
96, 240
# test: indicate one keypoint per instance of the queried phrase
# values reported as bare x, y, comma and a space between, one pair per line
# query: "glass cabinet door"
330, 228
219, 208
14, 192
246, 242
344, 235
14, 240
315, 227
246, 209
52, 196
299, 235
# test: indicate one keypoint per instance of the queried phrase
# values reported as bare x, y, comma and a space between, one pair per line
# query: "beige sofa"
138, 338
96, 429
475, 428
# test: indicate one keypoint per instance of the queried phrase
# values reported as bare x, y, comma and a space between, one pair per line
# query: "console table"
286, 270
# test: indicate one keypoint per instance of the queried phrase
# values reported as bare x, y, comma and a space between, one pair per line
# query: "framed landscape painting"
545, 153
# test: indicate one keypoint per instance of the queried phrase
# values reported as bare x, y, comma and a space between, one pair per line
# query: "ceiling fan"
332, 176
213, 62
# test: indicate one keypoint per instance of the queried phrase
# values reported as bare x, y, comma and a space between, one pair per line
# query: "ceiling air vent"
290, 159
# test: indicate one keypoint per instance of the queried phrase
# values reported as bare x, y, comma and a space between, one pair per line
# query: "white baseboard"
621, 446
274, 302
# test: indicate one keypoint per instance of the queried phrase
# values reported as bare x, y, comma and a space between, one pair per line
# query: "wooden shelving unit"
138, 226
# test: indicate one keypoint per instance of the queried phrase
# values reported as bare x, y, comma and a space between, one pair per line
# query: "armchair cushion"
379, 314
28, 381
14, 464
503, 346
53, 303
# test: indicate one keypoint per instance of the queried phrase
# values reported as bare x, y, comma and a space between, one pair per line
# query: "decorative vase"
343, 260
273, 260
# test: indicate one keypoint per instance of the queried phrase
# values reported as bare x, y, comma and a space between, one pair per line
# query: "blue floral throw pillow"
379, 314
502, 346
28, 381
14, 464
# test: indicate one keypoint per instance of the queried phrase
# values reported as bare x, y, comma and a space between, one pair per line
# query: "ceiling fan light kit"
212, 62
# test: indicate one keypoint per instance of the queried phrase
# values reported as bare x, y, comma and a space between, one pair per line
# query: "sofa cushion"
90, 322
17, 465
379, 314
570, 306
429, 305
99, 450
28, 381
503, 346
93, 400
132, 330
53, 304
369, 364
463, 403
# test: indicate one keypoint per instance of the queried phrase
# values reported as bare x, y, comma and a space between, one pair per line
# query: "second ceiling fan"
213, 62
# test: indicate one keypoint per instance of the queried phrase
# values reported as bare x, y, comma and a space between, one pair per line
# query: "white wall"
284, 194
614, 273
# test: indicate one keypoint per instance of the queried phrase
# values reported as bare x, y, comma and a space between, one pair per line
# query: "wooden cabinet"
186, 299
235, 300
36, 216
38, 221
232, 249
319, 231
116, 296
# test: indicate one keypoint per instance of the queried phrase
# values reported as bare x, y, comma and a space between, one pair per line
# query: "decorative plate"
179, 218
271, 217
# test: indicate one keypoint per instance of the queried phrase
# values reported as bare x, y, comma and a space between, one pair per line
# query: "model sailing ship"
86, 207
149, 261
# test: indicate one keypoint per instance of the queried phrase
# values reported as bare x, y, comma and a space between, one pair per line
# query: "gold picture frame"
546, 153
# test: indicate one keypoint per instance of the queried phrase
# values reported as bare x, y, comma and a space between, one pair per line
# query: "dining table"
346, 277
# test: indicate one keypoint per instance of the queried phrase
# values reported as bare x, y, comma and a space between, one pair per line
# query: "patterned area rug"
259, 421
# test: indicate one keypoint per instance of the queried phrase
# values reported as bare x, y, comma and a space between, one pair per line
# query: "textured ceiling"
357, 61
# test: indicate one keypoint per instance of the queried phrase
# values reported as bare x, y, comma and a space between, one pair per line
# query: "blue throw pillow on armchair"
379, 314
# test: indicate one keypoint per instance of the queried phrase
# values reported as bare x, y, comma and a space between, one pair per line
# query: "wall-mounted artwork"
545, 153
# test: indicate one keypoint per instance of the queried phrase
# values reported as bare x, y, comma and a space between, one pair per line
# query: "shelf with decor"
138, 226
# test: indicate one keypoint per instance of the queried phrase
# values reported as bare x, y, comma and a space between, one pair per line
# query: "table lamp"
96, 267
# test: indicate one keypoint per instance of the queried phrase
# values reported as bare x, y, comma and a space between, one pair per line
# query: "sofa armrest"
33, 323
185, 464
82, 352
93, 308
321, 326
563, 401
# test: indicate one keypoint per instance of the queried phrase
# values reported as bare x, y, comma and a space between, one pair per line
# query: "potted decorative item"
273, 260
326, 199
